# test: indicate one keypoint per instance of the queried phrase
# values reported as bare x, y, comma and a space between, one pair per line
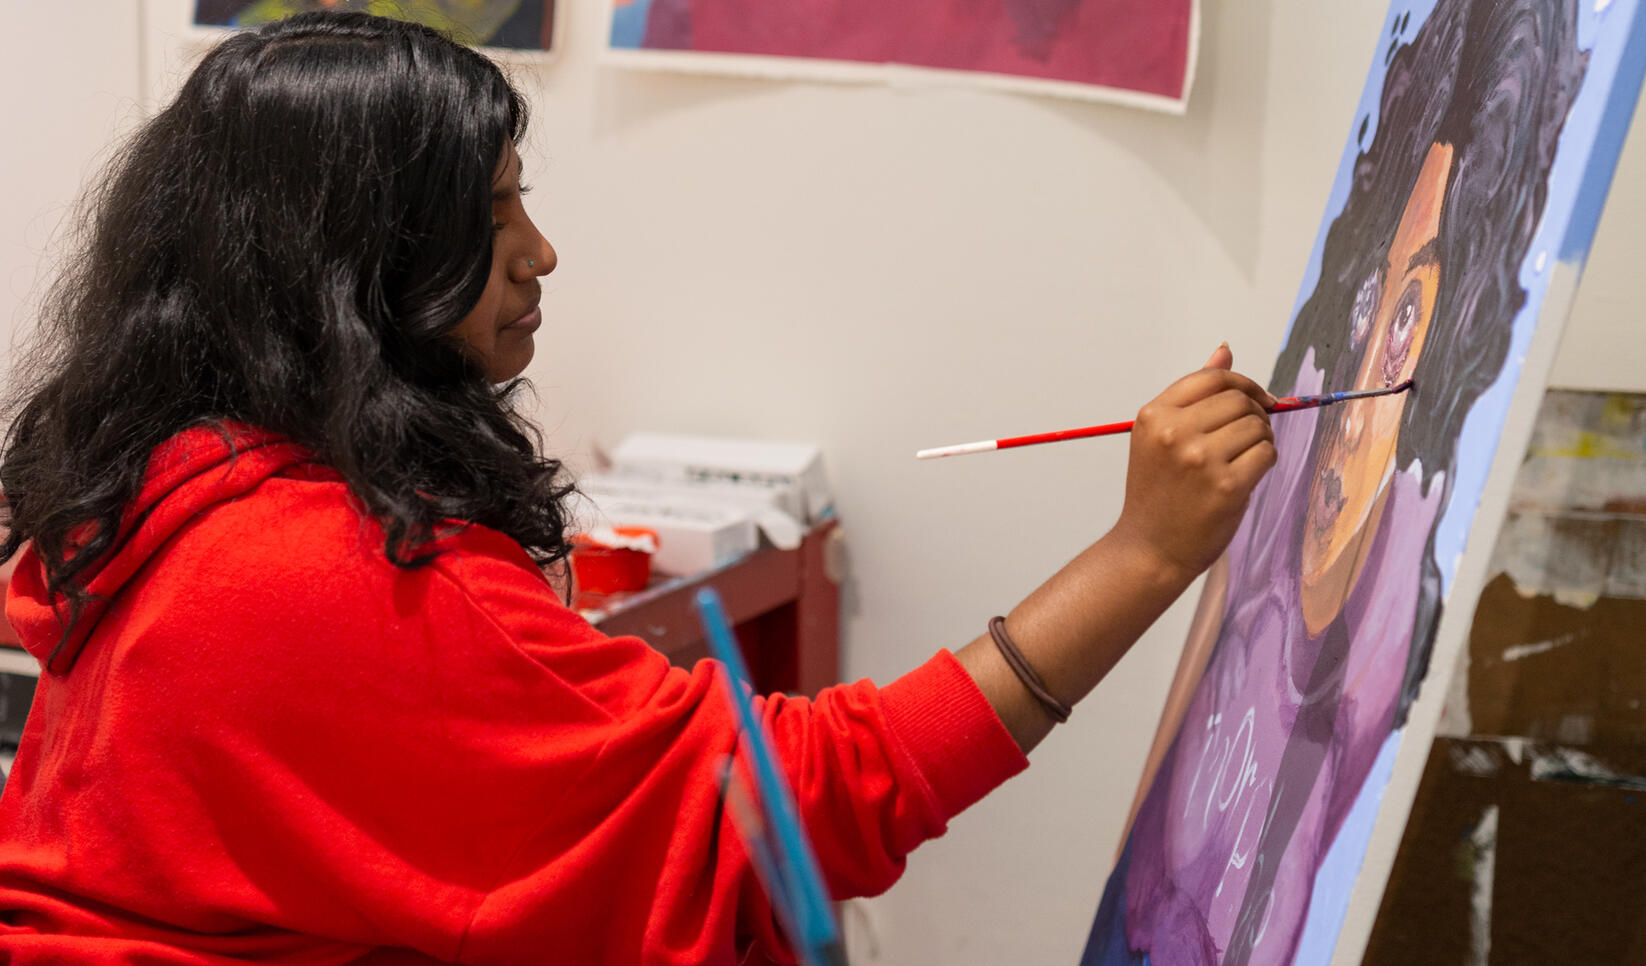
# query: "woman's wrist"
1074, 628
1143, 558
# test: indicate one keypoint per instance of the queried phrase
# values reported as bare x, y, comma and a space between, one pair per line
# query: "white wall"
879, 270
1604, 346
68, 87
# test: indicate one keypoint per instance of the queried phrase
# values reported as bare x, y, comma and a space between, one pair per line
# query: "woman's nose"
1353, 424
545, 260
534, 264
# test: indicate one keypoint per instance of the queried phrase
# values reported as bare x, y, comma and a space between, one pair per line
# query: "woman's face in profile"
1388, 325
497, 331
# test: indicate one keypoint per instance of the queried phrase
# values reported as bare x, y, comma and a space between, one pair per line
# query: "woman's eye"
1397, 346
1365, 306
1400, 328
497, 226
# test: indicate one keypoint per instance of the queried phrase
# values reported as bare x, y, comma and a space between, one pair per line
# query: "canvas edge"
1456, 618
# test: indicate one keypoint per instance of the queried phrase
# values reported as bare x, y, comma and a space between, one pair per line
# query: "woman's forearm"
1074, 628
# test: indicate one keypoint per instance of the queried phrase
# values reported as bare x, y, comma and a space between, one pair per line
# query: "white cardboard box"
765, 506
793, 471
691, 537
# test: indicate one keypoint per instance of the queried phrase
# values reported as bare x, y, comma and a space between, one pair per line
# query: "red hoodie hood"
188, 474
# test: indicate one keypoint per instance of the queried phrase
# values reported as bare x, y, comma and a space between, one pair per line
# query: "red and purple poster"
1137, 52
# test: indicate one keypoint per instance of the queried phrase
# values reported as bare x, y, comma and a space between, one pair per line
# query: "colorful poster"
1462, 212
517, 24
1136, 52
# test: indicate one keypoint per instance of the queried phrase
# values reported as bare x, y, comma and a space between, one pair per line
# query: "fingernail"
1224, 344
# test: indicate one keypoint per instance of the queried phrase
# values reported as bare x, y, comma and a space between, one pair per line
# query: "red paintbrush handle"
1107, 429
1281, 405
1110, 429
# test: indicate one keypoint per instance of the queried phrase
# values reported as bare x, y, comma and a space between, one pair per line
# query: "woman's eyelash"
498, 226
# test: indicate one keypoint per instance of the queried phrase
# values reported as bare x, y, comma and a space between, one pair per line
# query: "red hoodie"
264, 741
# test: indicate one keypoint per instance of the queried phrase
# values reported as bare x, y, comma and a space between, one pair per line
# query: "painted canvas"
1138, 52
1477, 164
517, 24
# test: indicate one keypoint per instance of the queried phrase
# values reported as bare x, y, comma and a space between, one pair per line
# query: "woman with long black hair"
307, 696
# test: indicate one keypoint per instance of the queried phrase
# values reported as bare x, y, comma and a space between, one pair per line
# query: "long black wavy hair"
1495, 79
288, 245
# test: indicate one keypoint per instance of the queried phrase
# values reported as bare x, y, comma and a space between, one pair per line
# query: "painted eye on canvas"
1398, 345
1365, 306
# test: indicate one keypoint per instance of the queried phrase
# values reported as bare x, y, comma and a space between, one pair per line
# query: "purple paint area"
1039, 23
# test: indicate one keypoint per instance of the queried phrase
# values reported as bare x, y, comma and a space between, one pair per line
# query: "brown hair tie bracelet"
1057, 710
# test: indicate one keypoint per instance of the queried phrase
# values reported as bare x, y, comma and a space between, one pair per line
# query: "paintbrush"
1285, 405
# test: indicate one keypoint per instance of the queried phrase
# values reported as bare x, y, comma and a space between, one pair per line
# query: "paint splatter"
1480, 855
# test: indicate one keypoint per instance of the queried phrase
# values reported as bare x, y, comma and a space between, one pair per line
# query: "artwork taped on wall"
516, 24
1135, 52
1462, 211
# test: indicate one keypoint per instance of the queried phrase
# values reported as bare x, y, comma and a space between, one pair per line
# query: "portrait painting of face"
1469, 177
1388, 323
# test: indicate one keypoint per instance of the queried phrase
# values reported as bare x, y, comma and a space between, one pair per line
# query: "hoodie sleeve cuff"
952, 732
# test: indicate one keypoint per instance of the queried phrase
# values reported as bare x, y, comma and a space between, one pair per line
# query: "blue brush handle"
818, 938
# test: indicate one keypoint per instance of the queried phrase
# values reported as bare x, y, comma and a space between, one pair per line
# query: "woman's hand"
1198, 450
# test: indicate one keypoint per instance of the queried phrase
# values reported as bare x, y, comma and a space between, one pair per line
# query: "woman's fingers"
1215, 412
1204, 383
1234, 438
1196, 452
1247, 469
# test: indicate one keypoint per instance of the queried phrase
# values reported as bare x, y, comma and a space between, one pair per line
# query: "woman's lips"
526, 323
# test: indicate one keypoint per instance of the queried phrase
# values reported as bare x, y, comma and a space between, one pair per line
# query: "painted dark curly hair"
1495, 80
